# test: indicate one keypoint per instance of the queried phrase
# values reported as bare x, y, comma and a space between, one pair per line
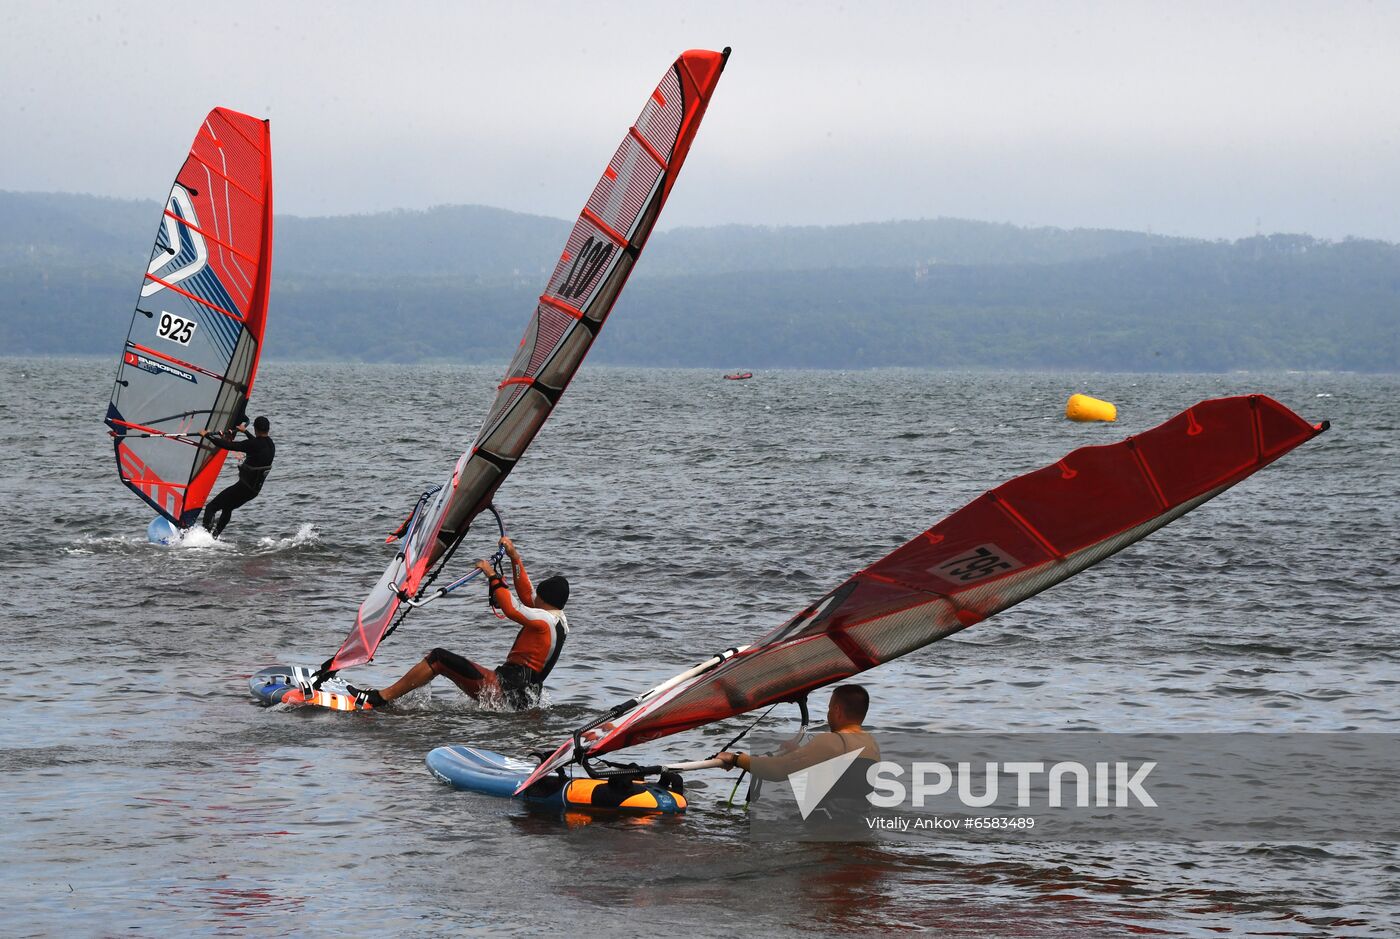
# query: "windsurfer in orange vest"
518, 681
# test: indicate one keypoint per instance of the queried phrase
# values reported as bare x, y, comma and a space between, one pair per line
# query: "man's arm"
536, 636
226, 443
523, 588
500, 593
821, 747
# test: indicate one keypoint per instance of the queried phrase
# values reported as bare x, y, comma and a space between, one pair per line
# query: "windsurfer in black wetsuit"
259, 450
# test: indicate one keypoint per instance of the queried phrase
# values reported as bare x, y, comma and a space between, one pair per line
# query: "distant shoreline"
457, 284
759, 372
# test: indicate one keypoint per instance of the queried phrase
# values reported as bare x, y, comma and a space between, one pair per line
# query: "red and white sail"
1008, 544
599, 255
192, 350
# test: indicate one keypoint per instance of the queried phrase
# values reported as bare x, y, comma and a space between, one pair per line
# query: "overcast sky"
1211, 119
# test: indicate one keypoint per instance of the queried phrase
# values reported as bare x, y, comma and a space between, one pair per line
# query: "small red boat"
739, 376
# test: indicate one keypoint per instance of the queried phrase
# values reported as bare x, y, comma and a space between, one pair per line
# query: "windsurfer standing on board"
518, 681
848, 707
259, 450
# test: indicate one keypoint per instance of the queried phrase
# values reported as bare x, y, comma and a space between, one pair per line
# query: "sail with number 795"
1007, 545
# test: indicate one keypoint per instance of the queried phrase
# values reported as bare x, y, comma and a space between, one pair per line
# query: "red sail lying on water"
1008, 544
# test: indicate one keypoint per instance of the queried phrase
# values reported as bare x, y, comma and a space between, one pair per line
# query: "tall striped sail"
599, 255
192, 350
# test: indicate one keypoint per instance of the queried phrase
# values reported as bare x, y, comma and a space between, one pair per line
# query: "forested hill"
458, 282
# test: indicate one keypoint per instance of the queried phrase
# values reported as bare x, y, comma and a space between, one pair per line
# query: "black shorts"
519, 686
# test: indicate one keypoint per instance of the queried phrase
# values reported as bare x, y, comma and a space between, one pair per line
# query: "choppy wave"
305, 536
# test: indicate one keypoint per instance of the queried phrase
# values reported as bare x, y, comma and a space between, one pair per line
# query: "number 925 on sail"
176, 328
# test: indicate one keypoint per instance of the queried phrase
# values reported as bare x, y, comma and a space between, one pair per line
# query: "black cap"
554, 591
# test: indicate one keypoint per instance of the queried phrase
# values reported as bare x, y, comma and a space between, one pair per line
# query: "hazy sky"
1204, 119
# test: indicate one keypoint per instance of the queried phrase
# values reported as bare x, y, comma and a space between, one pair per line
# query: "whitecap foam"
305, 534
94, 544
195, 537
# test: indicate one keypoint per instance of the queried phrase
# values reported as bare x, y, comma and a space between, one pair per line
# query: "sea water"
143, 790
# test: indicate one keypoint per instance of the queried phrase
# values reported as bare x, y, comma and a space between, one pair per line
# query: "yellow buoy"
1085, 408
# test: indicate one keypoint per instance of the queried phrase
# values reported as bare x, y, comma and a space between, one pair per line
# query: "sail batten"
1005, 546
192, 350
208, 236
598, 256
